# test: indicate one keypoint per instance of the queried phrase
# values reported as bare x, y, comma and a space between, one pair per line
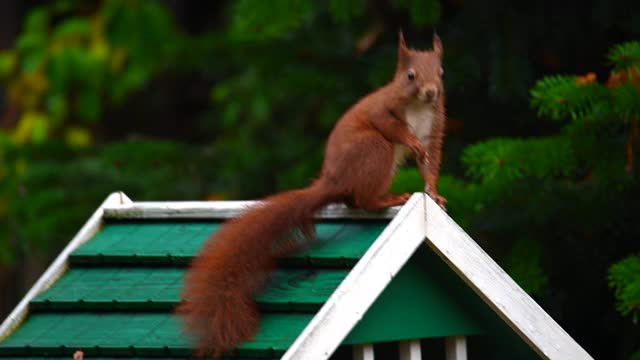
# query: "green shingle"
149, 288
176, 243
117, 299
142, 334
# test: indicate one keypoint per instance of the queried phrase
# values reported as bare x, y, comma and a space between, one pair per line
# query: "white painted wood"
226, 210
420, 218
363, 352
410, 350
497, 289
456, 348
60, 264
375, 270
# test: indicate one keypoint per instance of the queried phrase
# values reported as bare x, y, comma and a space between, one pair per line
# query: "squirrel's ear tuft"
401, 42
403, 51
437, 45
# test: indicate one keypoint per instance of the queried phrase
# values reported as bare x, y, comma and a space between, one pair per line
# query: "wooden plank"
497, 289
363, 352
225, 210
410, 350
59, 265
148, 288
456, 348
365, 282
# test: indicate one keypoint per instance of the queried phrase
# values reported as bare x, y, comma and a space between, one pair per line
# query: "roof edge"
60, 264
497, 289
365, 282
225, 210
422, 220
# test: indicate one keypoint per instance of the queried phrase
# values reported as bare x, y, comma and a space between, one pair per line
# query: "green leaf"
40, 130
78, 137
421, 12
7, 62
524, 266
73, 28
506, 161
57, 108
625, 55
561, 97
33, 61
27, 42
268, 20
624, 279
89, 106
37, 20
345, 10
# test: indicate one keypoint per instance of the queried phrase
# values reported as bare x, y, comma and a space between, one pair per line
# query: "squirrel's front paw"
439, 199
418, 150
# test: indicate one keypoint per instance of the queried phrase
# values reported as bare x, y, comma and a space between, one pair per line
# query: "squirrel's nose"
429, 92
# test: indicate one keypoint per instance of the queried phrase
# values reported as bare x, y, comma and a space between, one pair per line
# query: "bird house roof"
403, 274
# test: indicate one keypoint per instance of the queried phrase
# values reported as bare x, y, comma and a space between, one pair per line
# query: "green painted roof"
118, 296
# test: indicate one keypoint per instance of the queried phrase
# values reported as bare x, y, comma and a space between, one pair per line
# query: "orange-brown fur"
219, 306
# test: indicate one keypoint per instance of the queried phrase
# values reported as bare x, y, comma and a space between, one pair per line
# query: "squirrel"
367, 145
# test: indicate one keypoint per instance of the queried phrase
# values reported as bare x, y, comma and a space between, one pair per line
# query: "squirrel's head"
419, 73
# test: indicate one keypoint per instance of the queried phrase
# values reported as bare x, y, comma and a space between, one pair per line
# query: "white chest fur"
420, 119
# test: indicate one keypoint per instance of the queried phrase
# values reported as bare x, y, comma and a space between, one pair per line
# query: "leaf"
57, 108
78, 137
624, 55
37, 20
7, 62
421, 12
33, 60
78, 27
89, 106
268, 20
524, 266
32, 42
624, 279
32, 127
345, 10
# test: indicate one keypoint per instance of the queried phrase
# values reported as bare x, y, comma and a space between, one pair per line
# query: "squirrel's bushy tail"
218, 299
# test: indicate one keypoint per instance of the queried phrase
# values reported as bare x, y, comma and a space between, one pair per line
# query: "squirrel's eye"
411, 74
441, 71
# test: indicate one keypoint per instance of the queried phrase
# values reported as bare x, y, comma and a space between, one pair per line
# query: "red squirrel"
363, 152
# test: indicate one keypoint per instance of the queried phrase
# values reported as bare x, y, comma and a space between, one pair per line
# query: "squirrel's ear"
437, 45
403, 51
401, 42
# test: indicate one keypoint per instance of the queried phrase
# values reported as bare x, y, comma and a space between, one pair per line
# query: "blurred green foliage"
624, 277
234, 99
68, 66
45, 196
576, 180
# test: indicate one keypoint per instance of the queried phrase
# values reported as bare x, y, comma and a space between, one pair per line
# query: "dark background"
171, 100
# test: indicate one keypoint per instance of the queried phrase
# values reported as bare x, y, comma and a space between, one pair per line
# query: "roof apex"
422, 220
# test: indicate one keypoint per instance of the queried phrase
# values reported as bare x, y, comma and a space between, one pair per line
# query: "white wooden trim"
363, 352
353, 297
225, 210
59, 265
497, 289
456, 348
410, 350
420, 218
